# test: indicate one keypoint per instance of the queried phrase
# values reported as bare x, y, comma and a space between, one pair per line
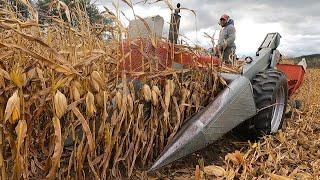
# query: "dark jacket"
228, 33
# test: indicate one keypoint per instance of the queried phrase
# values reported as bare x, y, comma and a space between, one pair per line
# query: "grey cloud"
296, 17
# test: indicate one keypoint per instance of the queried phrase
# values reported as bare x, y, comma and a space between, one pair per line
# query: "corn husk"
12, 111
146, 91
96, 81
90, 104
60, 104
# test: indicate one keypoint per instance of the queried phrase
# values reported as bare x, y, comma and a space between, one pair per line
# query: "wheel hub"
278, 109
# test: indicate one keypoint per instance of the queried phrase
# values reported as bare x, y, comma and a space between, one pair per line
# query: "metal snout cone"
231, 107
189, 140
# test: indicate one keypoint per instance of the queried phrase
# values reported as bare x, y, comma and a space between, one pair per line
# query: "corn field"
67, 109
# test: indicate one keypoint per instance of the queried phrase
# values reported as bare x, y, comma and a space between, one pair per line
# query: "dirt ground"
292, 153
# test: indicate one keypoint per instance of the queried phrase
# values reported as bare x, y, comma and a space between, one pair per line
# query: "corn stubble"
68, 111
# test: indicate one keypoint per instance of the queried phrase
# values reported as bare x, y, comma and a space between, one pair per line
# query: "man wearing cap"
227, 36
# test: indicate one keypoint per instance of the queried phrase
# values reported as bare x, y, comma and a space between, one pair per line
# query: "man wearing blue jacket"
227, 36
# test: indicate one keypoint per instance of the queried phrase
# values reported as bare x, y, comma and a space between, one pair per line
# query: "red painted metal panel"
295, 76
141, 55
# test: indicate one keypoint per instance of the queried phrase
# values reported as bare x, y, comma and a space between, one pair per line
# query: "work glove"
225, 44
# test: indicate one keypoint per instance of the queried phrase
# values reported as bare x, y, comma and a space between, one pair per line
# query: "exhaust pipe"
174, 25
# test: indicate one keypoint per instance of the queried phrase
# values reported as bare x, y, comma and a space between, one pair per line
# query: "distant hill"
313, 60
311, 56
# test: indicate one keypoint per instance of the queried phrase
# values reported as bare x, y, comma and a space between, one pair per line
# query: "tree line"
313, 60
45, 9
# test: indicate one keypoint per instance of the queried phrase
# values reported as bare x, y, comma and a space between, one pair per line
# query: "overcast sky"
296, 20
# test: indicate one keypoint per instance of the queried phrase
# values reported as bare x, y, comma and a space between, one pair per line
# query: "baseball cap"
225, 17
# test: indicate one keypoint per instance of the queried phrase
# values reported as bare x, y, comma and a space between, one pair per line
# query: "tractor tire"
270, 90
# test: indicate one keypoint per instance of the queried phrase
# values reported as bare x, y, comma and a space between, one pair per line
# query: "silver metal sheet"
137, 28
239, 109
231, 107
259, 63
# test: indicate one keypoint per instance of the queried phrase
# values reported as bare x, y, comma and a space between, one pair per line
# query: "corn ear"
154, 98
91, 109
60, 104
96, 81
75, 91
12, 111
146, 91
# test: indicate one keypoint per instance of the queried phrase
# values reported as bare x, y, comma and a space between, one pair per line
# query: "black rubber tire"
266, 86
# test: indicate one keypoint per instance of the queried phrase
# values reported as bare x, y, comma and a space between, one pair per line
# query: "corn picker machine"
253, 103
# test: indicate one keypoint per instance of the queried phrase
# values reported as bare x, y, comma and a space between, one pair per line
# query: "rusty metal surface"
234, 105
141, 55
294, 75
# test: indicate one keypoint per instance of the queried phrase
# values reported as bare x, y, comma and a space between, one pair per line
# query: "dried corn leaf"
214, 171
59, 68
21, 131
58, 148
66, 10
236, 157
85, 128
278, 177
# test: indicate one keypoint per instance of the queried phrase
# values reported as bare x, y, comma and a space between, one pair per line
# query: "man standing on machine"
227, 36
